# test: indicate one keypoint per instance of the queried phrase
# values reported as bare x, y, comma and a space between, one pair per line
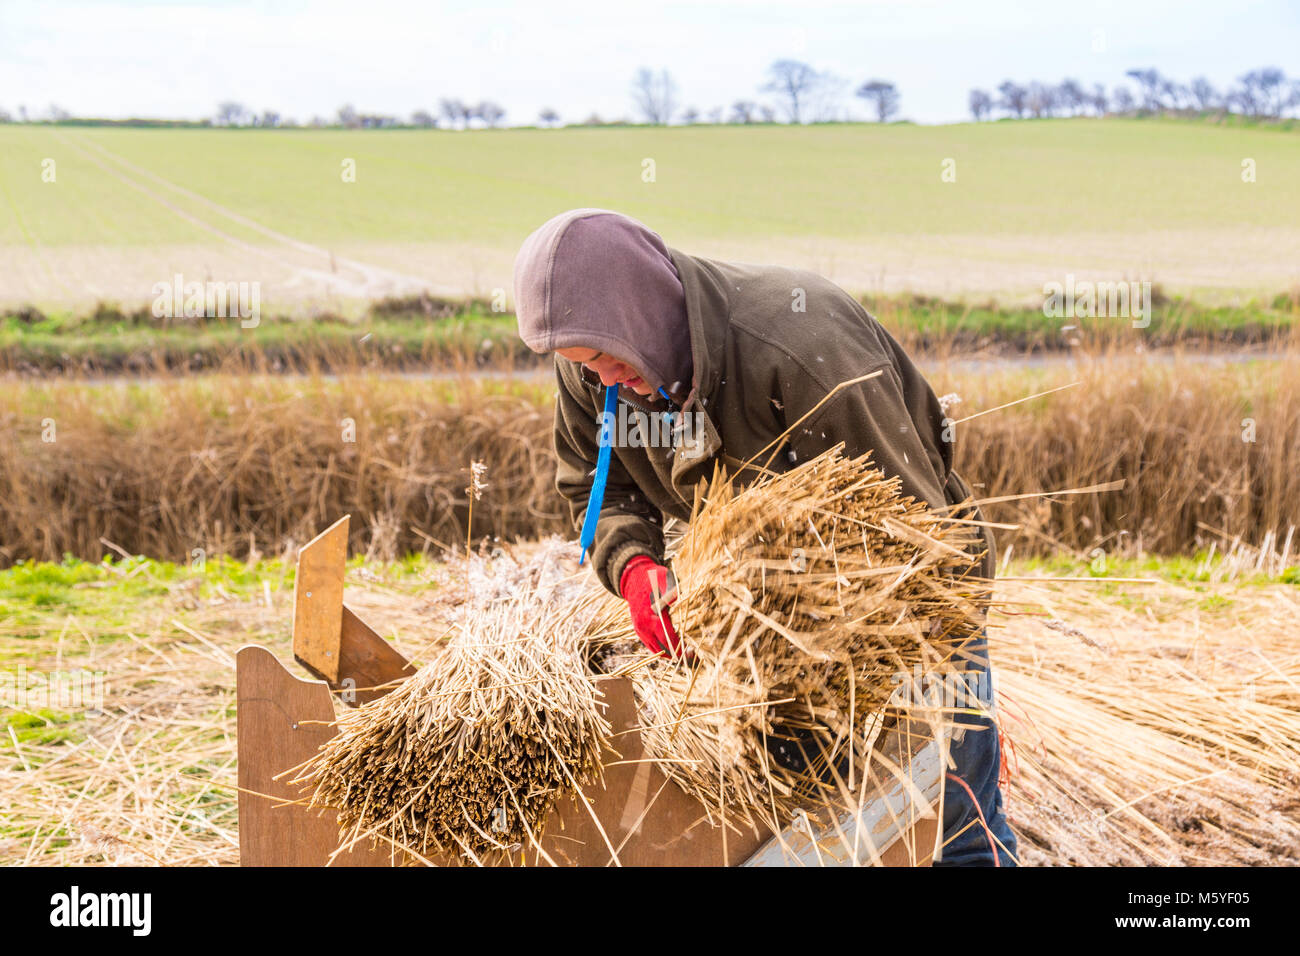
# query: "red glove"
654, 628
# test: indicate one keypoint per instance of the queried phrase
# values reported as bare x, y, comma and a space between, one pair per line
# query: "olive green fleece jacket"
767, 344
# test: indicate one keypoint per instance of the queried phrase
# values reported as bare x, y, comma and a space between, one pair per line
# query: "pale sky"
156, 59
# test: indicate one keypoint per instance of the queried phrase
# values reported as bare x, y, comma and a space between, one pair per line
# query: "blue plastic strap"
597, 497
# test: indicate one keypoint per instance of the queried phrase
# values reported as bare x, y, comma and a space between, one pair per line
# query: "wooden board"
283, 720
648, 819
366, 662
318, 600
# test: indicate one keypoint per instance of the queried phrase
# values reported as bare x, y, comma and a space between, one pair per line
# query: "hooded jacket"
601, 280
767, 344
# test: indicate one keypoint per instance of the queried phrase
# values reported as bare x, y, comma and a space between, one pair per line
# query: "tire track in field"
370, 281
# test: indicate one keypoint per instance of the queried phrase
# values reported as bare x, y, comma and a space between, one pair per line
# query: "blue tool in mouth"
597, 497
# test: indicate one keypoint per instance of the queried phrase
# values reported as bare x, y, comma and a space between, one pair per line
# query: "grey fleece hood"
592, 278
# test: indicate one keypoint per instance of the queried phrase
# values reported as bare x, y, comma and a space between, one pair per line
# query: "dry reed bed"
1155, 734
228, 463
233, 465
1099, 774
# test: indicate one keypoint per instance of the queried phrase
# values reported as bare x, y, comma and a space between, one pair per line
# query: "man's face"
610, 369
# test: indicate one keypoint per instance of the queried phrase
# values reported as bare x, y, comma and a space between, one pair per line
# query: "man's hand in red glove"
642, 580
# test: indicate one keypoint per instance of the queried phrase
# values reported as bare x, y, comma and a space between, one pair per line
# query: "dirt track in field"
1214, 267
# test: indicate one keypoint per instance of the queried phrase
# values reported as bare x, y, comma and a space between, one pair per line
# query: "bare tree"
1071, 96
229, 113
882, 95
981, 104
348, 117
269, 119
1206, 96
793, 83
690, 116
1148, 82
1098, 100
1245, 99
1177, 95
715, 115
490, 113
1122, 100
454, 111
1267, 90
423, 118
767, 113
1040, 99
743, 111
655, 95
1014, 97
548, 117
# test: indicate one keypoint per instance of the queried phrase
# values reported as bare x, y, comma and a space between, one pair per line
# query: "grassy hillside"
860, 202
1049, 178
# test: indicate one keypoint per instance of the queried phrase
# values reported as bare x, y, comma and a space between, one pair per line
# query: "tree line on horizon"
801, 94
1265, 93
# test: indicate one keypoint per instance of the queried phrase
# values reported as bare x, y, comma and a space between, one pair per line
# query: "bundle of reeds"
805, 598
471, 753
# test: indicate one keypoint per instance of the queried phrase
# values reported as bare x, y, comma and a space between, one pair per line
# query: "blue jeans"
978, 757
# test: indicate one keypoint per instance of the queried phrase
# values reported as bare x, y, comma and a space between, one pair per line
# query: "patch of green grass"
38, 597
107, 598
71, 583
389, 341
934, 322
1191, 570
42, 726
1215, 602
401, 336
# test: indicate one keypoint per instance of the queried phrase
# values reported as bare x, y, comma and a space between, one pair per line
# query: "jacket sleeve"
628, 525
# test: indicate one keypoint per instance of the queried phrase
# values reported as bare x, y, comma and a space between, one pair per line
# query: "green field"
865, 204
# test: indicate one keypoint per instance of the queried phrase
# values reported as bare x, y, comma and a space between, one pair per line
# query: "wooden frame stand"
646, 819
